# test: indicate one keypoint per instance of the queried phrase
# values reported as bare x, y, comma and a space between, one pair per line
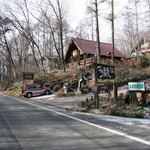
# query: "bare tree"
26, 30
5, 28
83, 30
60, 11
90, 11
50, 25
135, 14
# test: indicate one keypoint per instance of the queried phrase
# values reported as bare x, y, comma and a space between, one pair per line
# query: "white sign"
136, 86
105, 71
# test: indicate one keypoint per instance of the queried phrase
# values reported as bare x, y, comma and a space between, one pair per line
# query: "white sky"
77, 12
77, 8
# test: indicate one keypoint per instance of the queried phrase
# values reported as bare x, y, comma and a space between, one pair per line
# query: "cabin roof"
89, 47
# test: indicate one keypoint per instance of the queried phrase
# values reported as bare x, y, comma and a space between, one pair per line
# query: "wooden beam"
84, 57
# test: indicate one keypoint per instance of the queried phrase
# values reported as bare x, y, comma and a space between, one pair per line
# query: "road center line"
86, 122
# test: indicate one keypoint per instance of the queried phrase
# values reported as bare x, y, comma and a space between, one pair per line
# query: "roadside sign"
28, 76
105, 71
136, 86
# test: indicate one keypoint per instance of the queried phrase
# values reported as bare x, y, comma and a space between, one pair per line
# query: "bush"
122, 113
82, 70
110, 111
8, 83
130, 107
131, 111
140, 113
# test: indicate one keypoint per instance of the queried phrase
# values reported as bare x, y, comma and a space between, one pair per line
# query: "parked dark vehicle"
29, 90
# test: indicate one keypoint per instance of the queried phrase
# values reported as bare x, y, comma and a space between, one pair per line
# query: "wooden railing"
87, 62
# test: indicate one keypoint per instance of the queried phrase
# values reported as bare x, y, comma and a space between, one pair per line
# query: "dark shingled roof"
89, 47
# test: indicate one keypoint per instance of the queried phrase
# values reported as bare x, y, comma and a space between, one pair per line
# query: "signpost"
27, 76
105, 71
136, 86
102, 72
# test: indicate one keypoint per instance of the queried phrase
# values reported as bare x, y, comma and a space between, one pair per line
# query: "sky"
77, 13
77, 8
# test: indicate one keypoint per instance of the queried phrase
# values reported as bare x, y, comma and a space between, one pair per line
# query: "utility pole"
137, 24
97, 33
113, 35
113, 49
97, 57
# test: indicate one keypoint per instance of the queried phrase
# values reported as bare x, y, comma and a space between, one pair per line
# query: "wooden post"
97, 33
113, 39
84, 57
97, 57
143, 99
87, 104
78, 55
82, 104
115, 90
96, 97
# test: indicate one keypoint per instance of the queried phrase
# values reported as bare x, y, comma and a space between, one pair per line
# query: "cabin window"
75, 53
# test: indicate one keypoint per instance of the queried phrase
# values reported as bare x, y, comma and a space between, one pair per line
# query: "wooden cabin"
81, 52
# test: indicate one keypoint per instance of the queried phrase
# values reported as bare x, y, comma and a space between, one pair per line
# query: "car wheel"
47, 92
29, 95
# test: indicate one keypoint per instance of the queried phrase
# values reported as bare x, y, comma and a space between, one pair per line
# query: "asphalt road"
29, 125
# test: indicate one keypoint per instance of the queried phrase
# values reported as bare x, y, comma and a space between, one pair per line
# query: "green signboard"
136, 86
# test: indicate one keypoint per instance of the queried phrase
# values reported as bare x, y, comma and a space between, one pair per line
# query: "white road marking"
44, 96
86, 122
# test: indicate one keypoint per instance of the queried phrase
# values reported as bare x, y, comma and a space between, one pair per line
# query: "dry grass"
57, 76
15, 92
